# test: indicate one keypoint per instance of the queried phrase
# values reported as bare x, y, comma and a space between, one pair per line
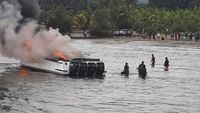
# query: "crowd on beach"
173, 36
178, 36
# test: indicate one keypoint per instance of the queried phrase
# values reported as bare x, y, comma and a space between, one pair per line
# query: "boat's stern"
81, 67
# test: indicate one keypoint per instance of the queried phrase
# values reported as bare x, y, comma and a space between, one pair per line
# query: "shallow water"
176, 90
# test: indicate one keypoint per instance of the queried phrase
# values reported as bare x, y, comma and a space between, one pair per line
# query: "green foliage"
100, 25
174, 4
101, 17
57, 18
152, 20
81, 20
119, 16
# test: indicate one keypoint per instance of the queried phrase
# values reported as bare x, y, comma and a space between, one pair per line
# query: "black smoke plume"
26, 44
30, 8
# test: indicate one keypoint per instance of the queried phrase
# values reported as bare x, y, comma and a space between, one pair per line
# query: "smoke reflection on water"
176, 90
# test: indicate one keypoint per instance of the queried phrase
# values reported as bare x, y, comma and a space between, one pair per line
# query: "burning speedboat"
78, 67
61, 64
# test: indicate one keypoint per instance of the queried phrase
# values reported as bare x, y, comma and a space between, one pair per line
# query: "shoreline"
187, 42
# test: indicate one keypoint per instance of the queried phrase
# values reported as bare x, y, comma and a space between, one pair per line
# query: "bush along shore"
101, 18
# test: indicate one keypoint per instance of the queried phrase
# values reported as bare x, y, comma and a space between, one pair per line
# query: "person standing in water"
142, 70
126, 70
153, 60
166, 64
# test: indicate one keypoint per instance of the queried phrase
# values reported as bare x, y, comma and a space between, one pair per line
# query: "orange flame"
27, 43
23, 72
60, 55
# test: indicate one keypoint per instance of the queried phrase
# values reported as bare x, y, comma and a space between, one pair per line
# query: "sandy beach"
127, 39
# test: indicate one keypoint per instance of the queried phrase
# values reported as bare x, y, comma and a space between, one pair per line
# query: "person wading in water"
142, 70
126, 70
153, 61
166, 64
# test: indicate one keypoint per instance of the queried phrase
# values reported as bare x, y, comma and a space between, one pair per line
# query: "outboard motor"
83, 69
100, 70
73, 69
86, 67
91, 69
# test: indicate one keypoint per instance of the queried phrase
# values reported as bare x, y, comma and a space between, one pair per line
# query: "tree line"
101, 17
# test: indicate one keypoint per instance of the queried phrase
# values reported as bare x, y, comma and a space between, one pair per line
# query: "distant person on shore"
142, 70
126, 70
153, 60
158, 36
190, 36
166, 64
84, 33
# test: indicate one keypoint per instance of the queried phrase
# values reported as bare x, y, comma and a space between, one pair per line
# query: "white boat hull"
58, 67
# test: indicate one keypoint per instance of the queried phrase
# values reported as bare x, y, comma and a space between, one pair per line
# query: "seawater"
176, 90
